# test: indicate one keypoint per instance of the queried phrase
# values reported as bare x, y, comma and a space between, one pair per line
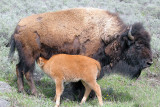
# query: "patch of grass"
47, 87
122, 90
21, 100
116, 91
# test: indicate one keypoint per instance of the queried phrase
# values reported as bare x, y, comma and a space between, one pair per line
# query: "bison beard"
101, 35
125, 56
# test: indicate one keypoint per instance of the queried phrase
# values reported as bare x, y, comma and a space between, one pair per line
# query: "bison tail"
12, 45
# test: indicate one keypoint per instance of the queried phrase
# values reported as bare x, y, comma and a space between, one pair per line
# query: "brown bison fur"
72, 68
90, 32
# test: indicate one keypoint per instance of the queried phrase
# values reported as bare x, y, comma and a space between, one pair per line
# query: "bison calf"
72, 68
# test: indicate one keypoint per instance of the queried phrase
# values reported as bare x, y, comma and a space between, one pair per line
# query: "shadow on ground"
109, 94
46, 88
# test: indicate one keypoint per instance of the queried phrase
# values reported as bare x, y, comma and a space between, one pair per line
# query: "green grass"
117, 91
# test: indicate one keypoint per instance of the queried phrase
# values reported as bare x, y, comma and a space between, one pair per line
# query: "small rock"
4, 103
4, 87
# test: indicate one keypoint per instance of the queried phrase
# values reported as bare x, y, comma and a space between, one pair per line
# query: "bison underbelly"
74, 46
47, 51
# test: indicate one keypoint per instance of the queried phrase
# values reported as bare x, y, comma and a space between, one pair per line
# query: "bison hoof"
34, 93
54, 99
21, 91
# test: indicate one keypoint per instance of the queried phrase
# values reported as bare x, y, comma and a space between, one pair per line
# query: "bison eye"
138, 47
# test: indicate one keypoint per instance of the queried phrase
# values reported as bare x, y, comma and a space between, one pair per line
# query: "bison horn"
130, 34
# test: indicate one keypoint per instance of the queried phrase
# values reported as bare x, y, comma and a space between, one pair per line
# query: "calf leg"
96, 88
59, 90
20, 81
87, 91
29, 77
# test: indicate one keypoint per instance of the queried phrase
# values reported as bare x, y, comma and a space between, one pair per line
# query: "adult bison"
86, 31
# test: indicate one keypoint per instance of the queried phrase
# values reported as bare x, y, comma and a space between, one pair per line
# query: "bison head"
132, 52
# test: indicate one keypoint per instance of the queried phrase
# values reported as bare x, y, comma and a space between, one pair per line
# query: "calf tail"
98, 68
12, 45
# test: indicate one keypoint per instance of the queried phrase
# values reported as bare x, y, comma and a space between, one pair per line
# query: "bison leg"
135, 76
29, 77
79, 89
20, 81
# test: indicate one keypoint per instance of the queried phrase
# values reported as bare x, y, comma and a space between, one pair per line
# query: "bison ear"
127, 38
125, 41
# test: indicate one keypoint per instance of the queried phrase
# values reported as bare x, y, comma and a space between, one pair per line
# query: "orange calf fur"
72, 68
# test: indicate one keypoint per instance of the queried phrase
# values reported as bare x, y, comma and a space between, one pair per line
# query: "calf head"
40, 62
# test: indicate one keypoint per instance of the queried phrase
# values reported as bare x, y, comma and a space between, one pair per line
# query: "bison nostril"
149, 63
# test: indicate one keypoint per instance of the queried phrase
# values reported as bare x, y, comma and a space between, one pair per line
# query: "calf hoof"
82, 103
101, 104
56, 106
